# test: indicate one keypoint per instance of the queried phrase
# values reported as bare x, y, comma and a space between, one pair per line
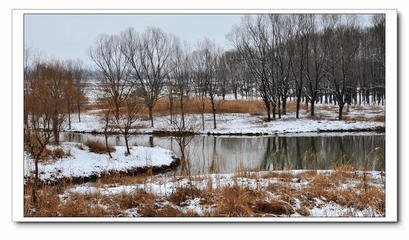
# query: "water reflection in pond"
226, 154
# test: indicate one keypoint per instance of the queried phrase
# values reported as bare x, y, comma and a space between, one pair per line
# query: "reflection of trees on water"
322, 152
151, 143
215, 160
267, 163
299, 156
226, 154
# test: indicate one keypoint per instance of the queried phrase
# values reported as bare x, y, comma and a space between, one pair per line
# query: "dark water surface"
227, 154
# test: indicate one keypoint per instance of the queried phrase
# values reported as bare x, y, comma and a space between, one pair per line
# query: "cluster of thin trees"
308, 58
327, 58
52, 93
137, 69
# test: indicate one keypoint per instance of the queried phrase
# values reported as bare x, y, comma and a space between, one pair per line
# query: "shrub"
59, 153
274, 207
98, 147
182, 194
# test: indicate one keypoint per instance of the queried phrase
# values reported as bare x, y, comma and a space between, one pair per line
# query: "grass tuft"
98, 147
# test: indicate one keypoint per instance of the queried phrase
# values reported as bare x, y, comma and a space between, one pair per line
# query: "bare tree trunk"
284, 106
340, 107
79, 112
171, 108
150, 109
55, 130
312, 107
116, 110
214, 118
182, 111
126, 142
106, 143
268, 109
297, 113
214, 112
36, 171
69, 114
274, 111
203, 108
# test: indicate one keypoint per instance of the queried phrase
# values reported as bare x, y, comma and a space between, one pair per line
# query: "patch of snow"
83, 163
234, 123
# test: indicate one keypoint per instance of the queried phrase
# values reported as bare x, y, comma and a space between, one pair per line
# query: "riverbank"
77, 163
358, 119
296, 193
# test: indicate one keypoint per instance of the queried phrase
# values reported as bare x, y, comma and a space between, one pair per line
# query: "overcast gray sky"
69, 36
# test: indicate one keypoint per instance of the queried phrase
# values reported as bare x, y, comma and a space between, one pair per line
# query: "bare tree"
198, 70
114, 70
69, 90
148, 56
38, 131
299, 46
234, 65
252, 42
78, 77
282, 32
343, 42
224, 76
181, 75
207, 58
315, 60
51, 75
129, 113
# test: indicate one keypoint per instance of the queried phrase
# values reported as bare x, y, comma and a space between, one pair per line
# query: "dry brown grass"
273, 207
139, 199
98, 147
49, 204
116, 178
182, 194
60, 153
194, 105
56, 153
346, 117
283, 176
251, 106
236, 200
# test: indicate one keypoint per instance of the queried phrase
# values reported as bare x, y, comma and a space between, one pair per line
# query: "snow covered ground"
242, 123
82, 163
162, 187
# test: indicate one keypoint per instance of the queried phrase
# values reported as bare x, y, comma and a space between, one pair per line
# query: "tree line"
328, 58
309, 58
302, 57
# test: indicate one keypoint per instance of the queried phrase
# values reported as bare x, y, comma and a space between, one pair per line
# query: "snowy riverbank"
81, 163
247, 124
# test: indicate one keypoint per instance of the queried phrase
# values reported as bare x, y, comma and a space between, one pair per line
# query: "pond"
229, 154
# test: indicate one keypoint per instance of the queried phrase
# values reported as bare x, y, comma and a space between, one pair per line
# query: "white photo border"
391, 137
